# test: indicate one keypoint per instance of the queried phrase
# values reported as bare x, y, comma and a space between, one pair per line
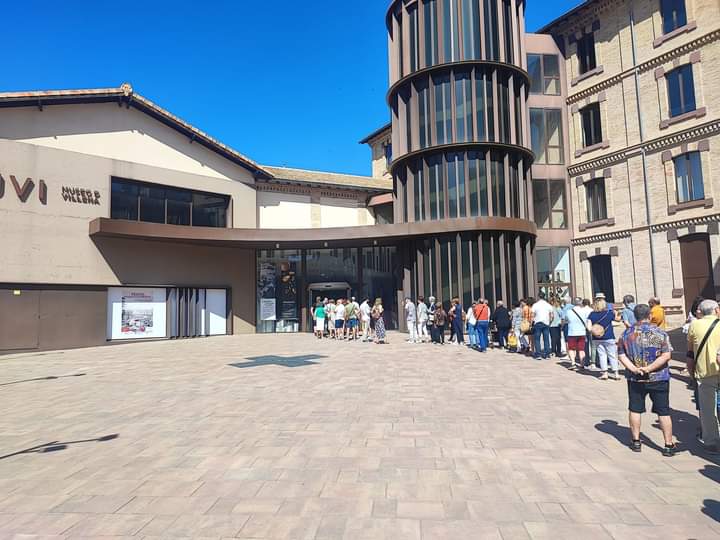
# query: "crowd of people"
592, 335
345, 319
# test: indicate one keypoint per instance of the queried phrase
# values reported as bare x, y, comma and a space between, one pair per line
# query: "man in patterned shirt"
644, 350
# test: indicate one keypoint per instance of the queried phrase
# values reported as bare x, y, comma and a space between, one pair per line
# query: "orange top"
657, 316
482, 312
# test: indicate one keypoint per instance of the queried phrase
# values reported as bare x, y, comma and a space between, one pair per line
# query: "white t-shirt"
471, 316
577, 324
340, 312
365, 311
542, 312
422, 312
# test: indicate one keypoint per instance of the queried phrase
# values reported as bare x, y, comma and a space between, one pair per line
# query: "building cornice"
702, 220
659, 227
605, 237
654, 62
654, 145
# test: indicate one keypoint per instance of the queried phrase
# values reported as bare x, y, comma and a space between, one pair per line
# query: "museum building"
504, 171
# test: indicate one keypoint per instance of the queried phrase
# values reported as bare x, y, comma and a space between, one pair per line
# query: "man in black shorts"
645, 351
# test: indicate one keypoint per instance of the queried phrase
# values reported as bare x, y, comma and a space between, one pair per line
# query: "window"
450, 31
443, 109
480, 108
419, 192
586, 53
423, 93
414, 49
596, 200
492, 38
550, 204
681, 90
553, 271
463, 106
689, 177
544, 72
388, 153
591, 126
547, 137
431, 33
674, 14
508, 30
154, 203
471, 30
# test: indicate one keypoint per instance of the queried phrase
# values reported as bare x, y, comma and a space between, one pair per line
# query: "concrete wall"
284, 210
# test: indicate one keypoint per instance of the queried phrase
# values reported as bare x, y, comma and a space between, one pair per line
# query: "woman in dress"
330, 312
377, 315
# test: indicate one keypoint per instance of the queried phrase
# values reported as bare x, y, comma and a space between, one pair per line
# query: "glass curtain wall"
471, 266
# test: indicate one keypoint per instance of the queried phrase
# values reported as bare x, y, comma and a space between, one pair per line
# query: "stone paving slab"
288, 437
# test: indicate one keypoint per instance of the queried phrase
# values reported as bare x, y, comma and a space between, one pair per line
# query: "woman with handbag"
600, 324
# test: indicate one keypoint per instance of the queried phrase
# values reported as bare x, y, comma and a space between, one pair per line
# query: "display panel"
136, 313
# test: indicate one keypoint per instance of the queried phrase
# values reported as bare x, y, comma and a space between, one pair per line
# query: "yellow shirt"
706, 365
657, 316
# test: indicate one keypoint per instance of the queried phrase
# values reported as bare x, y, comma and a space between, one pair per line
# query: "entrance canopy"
372, 235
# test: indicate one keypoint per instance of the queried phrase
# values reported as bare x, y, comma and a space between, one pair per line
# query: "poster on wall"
268, 309
136, 313
288, 292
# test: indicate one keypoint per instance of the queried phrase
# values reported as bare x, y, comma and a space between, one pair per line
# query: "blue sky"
287, 83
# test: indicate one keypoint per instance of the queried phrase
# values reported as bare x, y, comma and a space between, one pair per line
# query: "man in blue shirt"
627, 313
645, 351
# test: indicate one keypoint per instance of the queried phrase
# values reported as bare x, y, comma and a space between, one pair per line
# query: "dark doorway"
697, 268
602, 276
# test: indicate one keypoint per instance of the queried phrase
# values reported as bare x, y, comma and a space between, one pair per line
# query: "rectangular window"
674, 14
547, 137
490, 97
431, 33
424, 113
544, 70
419, 193
504, 109
450, 31
471, 30
586, 53
452, 187
462, 199
443, 109
480, 106
153, 203
492, 37
463, 106
553, 271
596, 200
508, 31
124, 200
591, 125
483, 181
414, 49
550, 204
689, 177
681, 90
473, 183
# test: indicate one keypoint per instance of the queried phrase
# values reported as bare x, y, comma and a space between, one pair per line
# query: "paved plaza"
287, 437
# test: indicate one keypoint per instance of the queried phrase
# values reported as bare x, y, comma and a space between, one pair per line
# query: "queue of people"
345, 319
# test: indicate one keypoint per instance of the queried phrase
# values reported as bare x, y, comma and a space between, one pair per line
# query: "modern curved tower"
458, 90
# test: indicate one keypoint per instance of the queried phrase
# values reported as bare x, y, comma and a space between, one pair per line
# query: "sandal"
636, 446
669, 450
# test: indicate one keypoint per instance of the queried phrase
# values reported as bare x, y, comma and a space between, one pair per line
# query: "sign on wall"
136, 313
68, 193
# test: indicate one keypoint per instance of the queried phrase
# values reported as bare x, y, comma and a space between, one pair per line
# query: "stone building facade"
643, 106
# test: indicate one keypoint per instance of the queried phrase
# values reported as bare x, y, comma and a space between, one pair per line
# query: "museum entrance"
602, 276
289, 281
696, 268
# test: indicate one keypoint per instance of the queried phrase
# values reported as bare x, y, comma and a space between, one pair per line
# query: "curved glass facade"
433, 32
458, 99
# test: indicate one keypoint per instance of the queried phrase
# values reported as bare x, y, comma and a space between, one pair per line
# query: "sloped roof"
547, 28
125, 95
376, 133
369, 183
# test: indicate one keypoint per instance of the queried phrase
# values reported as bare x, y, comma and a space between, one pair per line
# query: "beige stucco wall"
107, 130
284, 210
295, 207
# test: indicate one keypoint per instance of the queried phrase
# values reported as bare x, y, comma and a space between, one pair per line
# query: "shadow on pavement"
283, 361
711, 509
56, 446
622, 434
50, 378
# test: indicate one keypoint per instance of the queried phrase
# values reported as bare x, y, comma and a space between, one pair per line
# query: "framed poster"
136, 313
